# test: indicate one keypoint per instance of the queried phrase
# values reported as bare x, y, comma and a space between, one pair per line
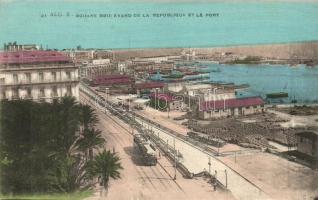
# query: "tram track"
143, 174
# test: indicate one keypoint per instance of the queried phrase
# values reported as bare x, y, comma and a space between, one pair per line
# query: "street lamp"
209, 163
175, 159
214, 93
107, 93
156, 97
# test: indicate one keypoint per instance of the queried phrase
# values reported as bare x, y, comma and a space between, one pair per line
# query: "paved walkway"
140, 182
196, 161
294, 120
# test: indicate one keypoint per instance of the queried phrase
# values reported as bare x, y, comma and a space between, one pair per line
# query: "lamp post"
156, 97
214, 93
225, 178
209, 163
107, 93
209, 92
218, 147
175, 159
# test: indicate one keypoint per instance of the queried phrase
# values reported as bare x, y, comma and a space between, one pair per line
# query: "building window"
54, 91
53, 76
41, 76
29, 93
2, 80
69, 90
15, 78
41, 93
68, 75
15, 94
28, 77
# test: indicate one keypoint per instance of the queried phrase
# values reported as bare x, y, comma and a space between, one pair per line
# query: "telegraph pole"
175, 159
225, 178
209, 163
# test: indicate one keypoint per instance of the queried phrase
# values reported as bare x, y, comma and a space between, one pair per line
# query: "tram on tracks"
146, 149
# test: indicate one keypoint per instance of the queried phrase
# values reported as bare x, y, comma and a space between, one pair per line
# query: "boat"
277, 95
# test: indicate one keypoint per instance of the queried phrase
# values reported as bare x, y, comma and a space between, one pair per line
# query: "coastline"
284, 51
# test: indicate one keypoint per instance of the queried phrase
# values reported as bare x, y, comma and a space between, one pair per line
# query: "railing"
45, 81
33, 67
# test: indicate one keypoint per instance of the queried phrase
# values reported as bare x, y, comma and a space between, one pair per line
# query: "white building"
100, 61
157, 59
20, 47
90, 70
204, 92
37, 75
230, 107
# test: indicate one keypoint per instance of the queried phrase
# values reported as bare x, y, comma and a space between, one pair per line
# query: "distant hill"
301, 50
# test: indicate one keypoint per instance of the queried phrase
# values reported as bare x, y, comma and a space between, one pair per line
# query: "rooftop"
308, 134
113, 81
149, 85
29, 57
111, 76
163, 96
231, 103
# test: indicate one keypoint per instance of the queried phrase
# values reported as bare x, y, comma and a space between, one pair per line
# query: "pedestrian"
214, 184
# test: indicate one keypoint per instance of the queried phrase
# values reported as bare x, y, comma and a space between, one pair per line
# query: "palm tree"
68, 120
68, 174
88, 117
91, 139
105, 165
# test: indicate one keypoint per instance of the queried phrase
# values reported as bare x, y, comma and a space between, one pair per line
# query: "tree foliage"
43, 146
105, 165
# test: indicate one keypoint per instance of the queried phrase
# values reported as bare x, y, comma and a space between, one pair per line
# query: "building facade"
37, 75
230, 107
307, 143
166, 101
91, 70
20, 47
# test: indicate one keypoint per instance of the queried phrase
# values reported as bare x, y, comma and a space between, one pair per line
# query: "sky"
238, 23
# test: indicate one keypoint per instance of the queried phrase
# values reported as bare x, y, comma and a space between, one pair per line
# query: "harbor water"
301, 82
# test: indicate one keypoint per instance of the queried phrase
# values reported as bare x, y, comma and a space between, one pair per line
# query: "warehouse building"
230, 107
165, 101
307, 143
148, 87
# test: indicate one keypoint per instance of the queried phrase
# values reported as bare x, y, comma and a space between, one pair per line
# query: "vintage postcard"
159, 100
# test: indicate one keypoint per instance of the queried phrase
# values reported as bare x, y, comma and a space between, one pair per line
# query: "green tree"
88, 117
68, 174
105, 165
41, 143
90, 140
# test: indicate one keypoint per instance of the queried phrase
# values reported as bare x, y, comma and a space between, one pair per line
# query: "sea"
301, 82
